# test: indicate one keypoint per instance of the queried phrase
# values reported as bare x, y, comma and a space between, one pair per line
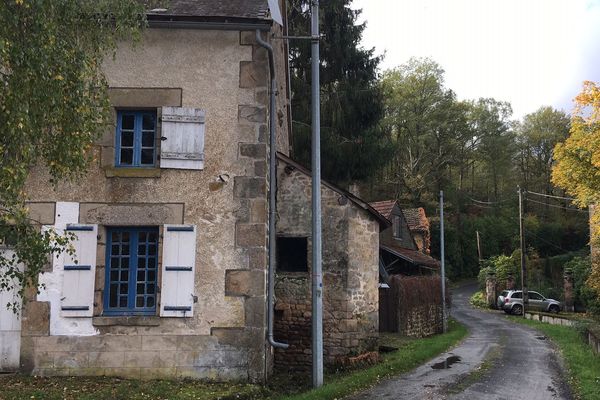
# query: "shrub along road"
498, 360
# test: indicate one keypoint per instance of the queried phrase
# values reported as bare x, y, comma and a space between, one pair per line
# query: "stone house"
404, 247
169, 275
351, 229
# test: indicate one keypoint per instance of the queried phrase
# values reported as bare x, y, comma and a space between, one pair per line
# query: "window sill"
114, 172
126, 321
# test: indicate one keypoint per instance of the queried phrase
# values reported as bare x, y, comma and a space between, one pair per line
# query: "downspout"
272, 197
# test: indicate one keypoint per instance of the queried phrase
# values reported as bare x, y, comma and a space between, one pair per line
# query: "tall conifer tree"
352, 144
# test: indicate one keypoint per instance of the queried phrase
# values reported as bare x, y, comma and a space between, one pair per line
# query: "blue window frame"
136, 139
131, 271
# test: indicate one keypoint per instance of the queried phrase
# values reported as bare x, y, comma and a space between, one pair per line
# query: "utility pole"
523, 269
479, 248
317, 278
443, 266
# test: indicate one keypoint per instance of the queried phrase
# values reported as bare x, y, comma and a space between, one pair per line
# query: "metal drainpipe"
272, 197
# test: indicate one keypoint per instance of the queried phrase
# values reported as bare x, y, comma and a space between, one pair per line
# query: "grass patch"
411, 353
15, 387
582, 364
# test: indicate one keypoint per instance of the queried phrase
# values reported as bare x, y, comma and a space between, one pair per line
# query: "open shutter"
182, 141
77, 297
178, 271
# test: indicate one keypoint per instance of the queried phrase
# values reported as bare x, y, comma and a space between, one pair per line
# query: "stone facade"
226, 74
350, 276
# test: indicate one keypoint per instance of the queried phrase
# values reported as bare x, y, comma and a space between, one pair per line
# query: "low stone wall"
549, 319
422, 321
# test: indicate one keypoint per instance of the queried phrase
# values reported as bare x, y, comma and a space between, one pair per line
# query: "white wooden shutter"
77, 296
182, 138
10, 323
178, 271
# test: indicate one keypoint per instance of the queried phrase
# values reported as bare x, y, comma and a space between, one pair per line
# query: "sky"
530, 53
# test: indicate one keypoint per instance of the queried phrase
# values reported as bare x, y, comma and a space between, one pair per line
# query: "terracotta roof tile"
384, 207
416, 219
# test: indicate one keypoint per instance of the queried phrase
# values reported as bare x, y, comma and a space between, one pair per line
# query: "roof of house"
254, 9
383, 222
416, 219
413, 256
384, 207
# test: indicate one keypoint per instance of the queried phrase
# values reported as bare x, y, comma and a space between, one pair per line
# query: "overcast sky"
527, 52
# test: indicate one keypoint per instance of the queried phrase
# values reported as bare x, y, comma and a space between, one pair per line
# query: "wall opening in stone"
292, 254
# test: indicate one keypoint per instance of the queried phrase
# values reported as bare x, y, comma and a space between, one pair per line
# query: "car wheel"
554, 309
517, 309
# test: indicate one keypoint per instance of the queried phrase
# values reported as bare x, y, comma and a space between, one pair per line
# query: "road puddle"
447, 363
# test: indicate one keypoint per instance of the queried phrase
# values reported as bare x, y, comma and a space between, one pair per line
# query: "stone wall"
422, 321
226, 74
350, 276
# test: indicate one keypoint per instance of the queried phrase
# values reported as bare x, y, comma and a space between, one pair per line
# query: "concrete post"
568, 287
490, 289
510, 282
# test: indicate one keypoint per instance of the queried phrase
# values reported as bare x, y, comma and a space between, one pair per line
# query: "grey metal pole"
523, 266
443, 262
317, 278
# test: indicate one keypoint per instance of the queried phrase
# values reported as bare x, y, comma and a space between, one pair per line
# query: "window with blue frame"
136, 139
131, 271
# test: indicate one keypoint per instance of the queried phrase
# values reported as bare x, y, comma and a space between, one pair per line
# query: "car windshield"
517, 295
504, 293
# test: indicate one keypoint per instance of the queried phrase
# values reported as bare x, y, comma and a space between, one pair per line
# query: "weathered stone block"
253, 74
145, 97
42, 213
36, 319
260, 168
246, 187
255, 309
250, 235
258, 211
247, 38
160, 342
253, 150
257, 258
106, 359
189, 343
73, 359
244, 283
130, 214
252, 114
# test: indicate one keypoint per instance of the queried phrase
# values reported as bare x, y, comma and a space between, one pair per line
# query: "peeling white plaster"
66, 213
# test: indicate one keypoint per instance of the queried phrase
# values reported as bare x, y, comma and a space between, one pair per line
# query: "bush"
478, 300
584, 296
502, 266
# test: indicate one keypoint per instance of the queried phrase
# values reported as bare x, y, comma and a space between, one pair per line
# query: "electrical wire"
545, 241
488, 202
555, 206
549, 195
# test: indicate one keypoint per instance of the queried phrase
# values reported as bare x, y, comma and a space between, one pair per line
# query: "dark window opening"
292, 254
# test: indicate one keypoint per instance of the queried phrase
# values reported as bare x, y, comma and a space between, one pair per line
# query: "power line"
555, 206
488, 202
549, 195
546, 241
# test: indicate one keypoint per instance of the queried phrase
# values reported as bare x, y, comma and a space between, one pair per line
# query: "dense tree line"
404, 135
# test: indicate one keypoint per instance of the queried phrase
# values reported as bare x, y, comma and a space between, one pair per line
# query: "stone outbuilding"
405, 245
169, 273
351, 229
